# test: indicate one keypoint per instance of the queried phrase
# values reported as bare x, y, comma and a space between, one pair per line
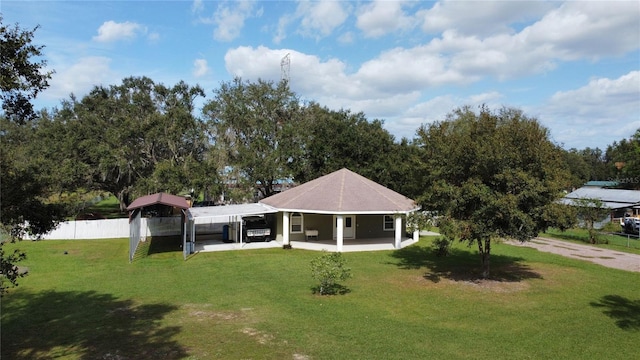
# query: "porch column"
398, 232
339, 232
285, 228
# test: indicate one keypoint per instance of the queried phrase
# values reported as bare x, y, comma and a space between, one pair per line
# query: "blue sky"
574, 65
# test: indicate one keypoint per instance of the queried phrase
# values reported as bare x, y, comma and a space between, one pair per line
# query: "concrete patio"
208, 245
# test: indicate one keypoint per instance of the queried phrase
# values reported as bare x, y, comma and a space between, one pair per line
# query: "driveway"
605, 257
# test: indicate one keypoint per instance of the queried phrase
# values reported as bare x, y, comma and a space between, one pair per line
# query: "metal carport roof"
224, 211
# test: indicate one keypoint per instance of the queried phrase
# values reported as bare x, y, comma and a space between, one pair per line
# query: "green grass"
258, 304
630, 244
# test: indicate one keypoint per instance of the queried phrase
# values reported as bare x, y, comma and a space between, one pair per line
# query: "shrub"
442, 246
328, 269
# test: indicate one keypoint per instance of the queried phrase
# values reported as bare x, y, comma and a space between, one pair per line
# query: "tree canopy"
135, 138
341, 139
21, 77
23, 188
625, 160
491, 174
258, 127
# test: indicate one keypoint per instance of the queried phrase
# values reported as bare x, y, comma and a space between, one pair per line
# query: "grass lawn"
90, 303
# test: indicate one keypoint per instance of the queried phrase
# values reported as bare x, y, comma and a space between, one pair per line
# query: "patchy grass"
258, 304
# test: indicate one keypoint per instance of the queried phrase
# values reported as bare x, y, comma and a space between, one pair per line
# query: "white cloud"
346, 38
480, 18
230, 20
381, 17
281, 32
111, 31
587, 29
604, 109
81, 77
200, 68
197, 6
321, 18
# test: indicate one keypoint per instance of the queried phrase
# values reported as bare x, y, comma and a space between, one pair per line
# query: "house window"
389, 223
296, 223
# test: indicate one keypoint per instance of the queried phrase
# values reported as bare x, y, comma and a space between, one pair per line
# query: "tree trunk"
485, 254
123, 198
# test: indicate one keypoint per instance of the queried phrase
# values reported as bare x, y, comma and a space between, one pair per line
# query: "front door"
348, 226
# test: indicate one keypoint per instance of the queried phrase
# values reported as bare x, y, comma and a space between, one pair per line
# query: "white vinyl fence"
119, 228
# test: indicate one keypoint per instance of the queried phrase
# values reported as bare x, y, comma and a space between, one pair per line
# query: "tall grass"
82, 300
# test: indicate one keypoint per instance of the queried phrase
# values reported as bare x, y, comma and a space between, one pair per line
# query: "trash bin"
225, 233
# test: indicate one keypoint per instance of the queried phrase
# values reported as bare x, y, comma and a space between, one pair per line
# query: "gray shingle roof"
341, 192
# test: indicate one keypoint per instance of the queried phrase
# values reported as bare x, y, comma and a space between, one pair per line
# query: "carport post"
184, 238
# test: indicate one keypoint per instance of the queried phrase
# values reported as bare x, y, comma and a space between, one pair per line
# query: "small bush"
328, 269
442, 246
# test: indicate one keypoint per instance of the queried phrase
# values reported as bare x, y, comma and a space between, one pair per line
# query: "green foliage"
341, 139
24, 185
491, 175
442, 246
420, 220
257, 127
589, 212
9, 271
21, 78
624, 159
135, 138
329, 269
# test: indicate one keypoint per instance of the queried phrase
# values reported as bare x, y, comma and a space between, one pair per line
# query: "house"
341, 206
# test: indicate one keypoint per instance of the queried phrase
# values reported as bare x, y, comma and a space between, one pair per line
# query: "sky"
573, 65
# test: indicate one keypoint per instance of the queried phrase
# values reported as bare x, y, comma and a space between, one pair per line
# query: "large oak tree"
258, 126
138, 137
492, 174
23, 188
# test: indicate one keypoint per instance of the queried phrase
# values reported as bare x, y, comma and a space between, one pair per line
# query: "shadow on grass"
158, 245
335, 289
462, 265
625, 312
85, 325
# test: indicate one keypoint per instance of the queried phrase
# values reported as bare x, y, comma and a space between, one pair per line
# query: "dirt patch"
495, 286
261, 337
203, 312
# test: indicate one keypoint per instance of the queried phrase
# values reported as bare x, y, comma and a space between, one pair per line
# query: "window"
296, 223
389, 223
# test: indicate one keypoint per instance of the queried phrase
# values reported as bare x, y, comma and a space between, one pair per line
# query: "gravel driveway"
605, 257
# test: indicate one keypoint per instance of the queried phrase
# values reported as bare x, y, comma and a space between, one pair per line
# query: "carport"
230, 214
135, 215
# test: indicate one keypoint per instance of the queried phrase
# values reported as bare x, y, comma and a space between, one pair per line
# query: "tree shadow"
86, 325
625, 312
159, 245
335, 289
462, 265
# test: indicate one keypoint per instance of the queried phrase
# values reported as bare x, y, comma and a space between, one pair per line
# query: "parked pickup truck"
256, 228
630, 225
